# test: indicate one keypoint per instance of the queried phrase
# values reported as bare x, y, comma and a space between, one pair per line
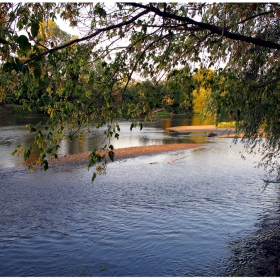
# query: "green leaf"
23, 42
19, 25
27, 153
99, 11
7, 66
131, 126
24, 69
46, 165
17, 65
93, 176
34, 28
37, 73
111, 155
3, 41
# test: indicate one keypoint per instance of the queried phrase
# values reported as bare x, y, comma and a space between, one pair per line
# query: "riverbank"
220, 132
123, 153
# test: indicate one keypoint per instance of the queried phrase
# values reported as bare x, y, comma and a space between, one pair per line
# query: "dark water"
174, 217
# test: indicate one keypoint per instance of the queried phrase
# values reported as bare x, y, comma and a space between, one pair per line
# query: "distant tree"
179, 88
203, 81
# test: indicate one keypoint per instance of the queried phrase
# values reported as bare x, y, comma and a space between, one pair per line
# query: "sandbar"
123, 153
220, 132
200, 128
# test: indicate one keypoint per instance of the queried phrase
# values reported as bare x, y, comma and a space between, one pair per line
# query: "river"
175, 217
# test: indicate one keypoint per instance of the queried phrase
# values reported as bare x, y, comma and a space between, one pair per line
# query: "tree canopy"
75, 79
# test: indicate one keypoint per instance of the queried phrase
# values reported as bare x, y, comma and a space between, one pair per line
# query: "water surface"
175, 217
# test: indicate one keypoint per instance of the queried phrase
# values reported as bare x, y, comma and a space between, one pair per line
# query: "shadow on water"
258, 255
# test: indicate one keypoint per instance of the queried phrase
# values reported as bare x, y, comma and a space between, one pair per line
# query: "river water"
171, 214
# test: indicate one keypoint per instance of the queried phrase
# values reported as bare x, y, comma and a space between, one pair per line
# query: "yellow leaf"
48, 90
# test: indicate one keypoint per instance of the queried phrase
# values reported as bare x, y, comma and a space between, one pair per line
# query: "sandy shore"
82, 158
201, 128
219, 131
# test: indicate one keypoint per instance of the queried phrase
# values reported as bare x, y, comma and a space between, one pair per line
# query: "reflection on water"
140, 219
14, 132
153, 133
182, 120
172, 218
10, 119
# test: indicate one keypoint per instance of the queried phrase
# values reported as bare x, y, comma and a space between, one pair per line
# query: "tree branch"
266, 83
87, 37
142, 53
213, 28
254, 16
179, 27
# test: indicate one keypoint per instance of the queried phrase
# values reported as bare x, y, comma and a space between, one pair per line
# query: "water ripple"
138, 220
